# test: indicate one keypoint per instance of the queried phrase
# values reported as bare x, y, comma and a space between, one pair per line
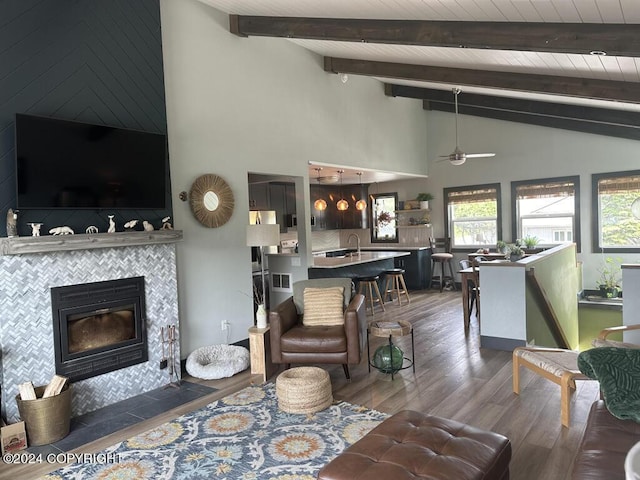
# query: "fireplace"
99, 327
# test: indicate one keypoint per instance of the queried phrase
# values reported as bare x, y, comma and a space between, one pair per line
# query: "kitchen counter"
372, 248
355, 259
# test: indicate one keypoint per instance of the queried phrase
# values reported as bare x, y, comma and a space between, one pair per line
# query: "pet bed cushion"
217, 361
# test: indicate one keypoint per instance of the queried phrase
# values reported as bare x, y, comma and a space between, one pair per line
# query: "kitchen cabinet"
331, 218
278, 200
278, 196
417, 268
259, 196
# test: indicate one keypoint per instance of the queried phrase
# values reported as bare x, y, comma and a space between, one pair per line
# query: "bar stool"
394, 278
368, 286
441, 258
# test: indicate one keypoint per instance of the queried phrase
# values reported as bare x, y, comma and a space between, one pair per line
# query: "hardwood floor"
454, 378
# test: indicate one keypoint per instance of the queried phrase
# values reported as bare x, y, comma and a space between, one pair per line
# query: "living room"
235, 105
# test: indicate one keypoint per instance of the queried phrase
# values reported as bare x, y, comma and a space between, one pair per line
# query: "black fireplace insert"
99, 327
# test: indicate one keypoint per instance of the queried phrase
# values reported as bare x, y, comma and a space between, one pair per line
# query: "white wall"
525, 152
263, 105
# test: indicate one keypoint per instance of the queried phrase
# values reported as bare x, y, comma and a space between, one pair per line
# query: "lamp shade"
263, 235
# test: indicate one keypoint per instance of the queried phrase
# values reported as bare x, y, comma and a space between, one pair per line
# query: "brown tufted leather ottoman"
410, 446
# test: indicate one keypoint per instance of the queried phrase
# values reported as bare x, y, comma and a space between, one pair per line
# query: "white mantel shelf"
65, 243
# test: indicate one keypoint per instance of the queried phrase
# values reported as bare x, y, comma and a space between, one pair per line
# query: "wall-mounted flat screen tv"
72, 165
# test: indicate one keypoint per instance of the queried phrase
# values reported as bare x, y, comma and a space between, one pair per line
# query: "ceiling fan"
458, 157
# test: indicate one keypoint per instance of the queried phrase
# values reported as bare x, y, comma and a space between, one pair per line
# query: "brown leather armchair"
293, 342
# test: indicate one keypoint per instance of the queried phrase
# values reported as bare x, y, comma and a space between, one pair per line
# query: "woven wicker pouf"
303, 390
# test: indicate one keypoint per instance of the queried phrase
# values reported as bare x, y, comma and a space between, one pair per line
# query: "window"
383, 218
473, 216
614, 197
548, 209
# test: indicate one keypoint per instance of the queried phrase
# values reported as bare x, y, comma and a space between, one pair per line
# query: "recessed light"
600, 53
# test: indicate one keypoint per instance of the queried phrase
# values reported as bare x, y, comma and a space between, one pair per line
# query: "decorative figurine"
64, 230
147, 226
131, 224
166, 225
12, 223
35, 229
112, 224
91, 229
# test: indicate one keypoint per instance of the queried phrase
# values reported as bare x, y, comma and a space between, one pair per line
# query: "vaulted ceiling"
572, 64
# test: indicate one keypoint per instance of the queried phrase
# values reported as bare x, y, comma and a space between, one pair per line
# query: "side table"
260, 351
389, 330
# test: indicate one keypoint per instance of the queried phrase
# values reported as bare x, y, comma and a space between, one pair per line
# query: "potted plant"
610, 278
514, 252
384, 218
530, 242
424, 199
501, 246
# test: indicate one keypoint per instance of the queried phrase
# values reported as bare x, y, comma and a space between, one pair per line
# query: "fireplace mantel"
65, 243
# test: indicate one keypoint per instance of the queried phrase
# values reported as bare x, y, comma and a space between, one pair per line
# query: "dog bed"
217, 361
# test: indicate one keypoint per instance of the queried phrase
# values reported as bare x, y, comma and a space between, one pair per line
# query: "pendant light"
361, 204
342, 204
320, 204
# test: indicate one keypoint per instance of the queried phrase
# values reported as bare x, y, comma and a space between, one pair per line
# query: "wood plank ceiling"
571, 64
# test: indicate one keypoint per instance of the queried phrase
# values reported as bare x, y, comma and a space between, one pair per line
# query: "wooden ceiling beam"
609, 122
517, 105
579, 38
608, 90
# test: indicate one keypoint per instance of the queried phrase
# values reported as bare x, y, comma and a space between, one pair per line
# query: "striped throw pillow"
323, 306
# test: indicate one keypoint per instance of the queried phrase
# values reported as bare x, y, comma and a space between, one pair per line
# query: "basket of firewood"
46, 411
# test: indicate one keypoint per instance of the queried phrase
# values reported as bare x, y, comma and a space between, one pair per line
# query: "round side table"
386, 329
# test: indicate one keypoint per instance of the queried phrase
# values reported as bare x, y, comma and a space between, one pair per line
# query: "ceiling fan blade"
480, 155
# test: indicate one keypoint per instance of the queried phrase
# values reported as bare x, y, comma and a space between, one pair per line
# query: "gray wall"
526, 152
96, 61
236, 105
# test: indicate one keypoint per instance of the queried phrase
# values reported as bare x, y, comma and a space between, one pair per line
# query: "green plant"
610, 273
501, 246
424, 197
514, 250
530, 241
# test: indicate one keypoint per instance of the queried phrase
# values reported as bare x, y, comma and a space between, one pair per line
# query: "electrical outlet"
224, 325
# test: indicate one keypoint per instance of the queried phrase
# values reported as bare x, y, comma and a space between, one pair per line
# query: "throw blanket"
618, 371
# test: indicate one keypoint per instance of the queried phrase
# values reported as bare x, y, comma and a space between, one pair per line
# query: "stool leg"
516, 373
388, 292
441, 276
453, 279
371, 297
375, 286
566, 386
396, 288
404, 288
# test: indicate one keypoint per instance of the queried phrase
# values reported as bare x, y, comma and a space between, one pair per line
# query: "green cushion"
618, 371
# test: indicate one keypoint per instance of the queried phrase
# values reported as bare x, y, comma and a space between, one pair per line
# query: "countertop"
386, 248
355, 259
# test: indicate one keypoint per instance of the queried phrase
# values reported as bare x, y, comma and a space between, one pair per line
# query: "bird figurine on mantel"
131, 224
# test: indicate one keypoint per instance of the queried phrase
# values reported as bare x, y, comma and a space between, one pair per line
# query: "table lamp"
263, 235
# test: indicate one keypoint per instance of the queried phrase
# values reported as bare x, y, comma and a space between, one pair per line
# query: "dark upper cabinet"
282, 199
331, 218
259, 196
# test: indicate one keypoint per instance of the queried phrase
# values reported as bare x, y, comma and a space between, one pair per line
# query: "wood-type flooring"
454, 378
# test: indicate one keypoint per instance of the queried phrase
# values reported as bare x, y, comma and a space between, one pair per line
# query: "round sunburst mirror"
211, 200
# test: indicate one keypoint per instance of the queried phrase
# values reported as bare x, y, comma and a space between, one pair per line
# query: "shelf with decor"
422, 218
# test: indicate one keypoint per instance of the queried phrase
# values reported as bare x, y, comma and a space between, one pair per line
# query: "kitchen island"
353, 264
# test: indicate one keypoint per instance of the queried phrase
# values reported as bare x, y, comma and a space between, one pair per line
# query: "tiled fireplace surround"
26, 326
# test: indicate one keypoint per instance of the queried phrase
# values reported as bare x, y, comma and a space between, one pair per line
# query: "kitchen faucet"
351, 235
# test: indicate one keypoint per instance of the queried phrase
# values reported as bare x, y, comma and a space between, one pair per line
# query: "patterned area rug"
243, 436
